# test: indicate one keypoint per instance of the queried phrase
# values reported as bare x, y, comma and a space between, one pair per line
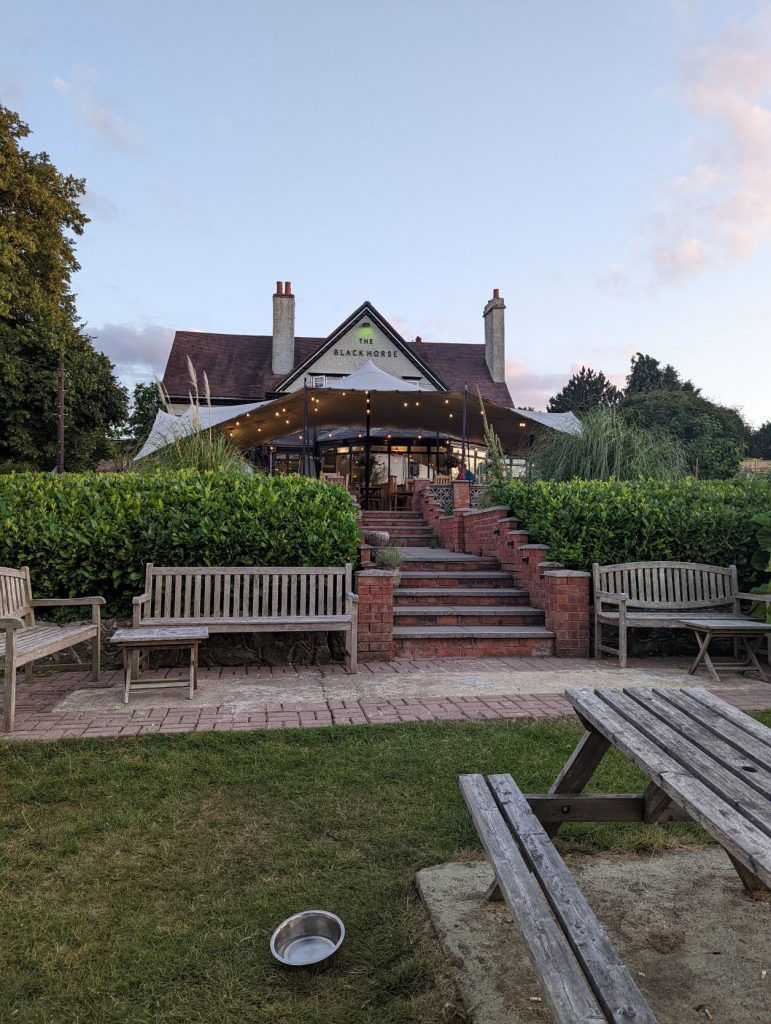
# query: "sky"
606, 164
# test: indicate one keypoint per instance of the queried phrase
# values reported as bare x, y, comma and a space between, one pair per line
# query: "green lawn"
141, 878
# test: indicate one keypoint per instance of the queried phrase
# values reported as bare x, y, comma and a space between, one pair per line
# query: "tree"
714, 437
585, 391
760, 442
39, 326
145, 404
647, 374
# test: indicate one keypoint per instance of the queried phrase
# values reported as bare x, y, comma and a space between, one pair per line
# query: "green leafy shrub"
585, 521
92, 533
761, 560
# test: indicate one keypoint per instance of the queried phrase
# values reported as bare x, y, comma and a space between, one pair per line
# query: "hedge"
585, 521
93, 533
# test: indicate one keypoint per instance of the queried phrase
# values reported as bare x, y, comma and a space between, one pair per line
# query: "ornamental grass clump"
608, 447
190, 444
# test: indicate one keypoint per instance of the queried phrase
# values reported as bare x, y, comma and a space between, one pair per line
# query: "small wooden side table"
134, 640
747, 634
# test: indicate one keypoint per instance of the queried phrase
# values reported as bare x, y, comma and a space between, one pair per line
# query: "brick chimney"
283, 328
495, 354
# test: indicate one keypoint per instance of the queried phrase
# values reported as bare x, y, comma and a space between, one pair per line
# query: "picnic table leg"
575, 774
751, 649
703, 641
750, 880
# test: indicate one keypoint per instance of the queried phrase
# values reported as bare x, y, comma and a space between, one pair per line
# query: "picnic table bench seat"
23, 641
581, 974
652, 595
251, 599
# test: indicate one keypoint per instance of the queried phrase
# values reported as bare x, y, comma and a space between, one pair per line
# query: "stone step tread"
425, 556
459, 574
461, 609
460, 591
479, 632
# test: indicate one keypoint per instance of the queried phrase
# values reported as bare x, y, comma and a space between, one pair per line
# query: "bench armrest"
11, 622
142, 599
605, 597
752, 597
62, 602
136, 611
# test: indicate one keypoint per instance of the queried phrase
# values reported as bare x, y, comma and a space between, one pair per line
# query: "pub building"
248, 373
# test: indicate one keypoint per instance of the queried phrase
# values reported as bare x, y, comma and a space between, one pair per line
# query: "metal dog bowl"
308, 939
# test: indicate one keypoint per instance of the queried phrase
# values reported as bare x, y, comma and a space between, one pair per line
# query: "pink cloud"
721, 209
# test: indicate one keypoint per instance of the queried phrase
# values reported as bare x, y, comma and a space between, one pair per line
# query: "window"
318, 380
413, 380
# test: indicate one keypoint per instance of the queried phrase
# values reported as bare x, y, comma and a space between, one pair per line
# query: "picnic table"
706, 762
132, 641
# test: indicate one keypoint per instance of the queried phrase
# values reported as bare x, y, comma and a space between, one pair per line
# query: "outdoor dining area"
370, 431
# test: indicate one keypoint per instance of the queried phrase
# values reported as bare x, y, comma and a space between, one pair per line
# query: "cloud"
108, 126
529, 388
139, 353
721, 209
99, 206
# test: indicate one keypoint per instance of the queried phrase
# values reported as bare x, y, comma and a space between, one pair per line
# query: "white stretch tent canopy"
368, 392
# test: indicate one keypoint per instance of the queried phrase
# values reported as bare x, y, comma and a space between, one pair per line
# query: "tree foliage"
145, 403
39, 215
647, 374
760, 442
713, 436
586, 390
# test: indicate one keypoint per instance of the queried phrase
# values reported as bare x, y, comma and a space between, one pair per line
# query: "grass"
142, 878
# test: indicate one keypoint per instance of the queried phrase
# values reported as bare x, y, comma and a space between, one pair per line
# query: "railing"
478, 495
442, 495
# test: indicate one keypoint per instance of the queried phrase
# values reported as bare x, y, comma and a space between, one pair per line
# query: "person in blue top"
465, 474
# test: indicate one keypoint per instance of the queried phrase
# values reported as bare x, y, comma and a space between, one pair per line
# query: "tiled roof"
238, 366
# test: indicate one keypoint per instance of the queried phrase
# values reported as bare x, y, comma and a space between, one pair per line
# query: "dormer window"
318, 380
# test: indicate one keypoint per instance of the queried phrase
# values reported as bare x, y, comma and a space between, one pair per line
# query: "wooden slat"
275, 594
756, 729
284, 585
566, 989
177, 582
726, 783
156, 594
741, 740
217, 595
313, 583
226, 593
303, 595
741, 765
748, 844
610, 981
197, 597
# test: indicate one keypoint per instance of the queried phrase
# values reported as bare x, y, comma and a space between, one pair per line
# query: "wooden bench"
23, 641
637, 595
582, 976
251, 599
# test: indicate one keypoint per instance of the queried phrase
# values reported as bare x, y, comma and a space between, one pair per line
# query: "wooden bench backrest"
668, 585
16, 594
246, 592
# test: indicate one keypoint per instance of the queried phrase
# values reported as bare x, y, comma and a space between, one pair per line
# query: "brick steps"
477, 596
460, 615
464, 578
473, 641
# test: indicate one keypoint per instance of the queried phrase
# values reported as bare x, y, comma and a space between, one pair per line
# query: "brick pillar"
566, 609
461, 494
375, 588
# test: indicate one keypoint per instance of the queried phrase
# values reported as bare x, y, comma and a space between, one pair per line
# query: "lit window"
318, 380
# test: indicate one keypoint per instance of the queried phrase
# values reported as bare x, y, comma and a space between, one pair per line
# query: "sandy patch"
693, 940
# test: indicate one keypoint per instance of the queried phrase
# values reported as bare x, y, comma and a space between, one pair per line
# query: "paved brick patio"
40, 718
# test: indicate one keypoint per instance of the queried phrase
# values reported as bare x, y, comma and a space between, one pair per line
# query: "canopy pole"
366, 459
464, 442
305, 467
